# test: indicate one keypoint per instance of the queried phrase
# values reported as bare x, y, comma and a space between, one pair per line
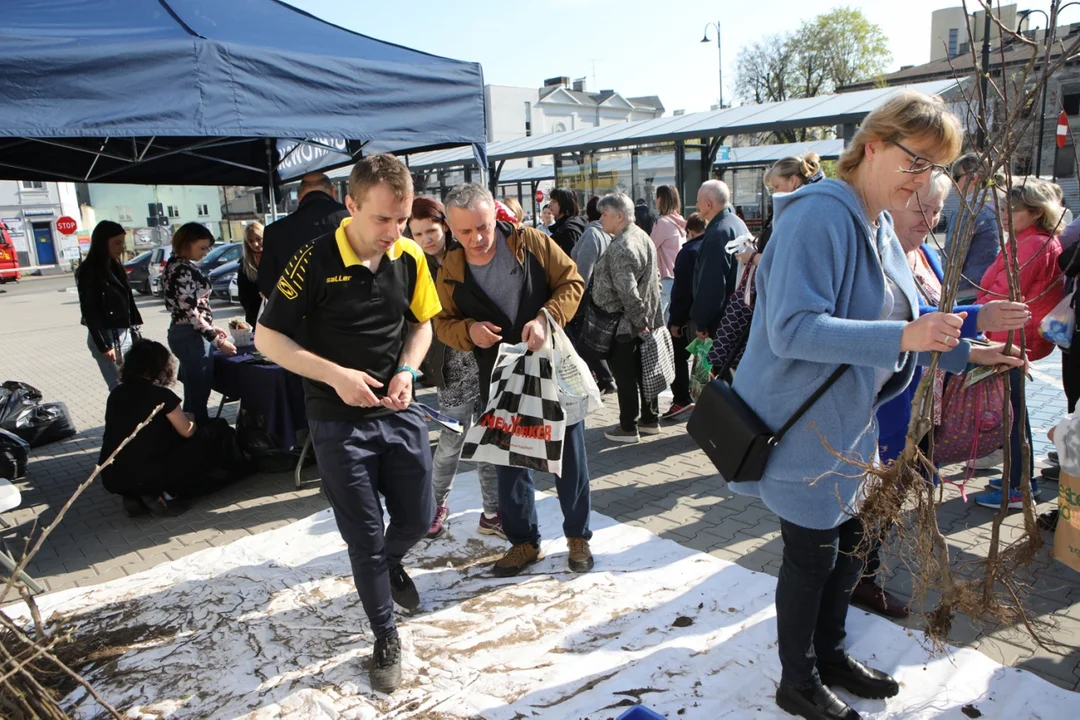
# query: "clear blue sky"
636, 47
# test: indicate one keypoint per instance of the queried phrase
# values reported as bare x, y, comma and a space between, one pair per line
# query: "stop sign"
66, 225
539, 196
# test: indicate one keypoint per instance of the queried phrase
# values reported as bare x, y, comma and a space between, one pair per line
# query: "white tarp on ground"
270, 626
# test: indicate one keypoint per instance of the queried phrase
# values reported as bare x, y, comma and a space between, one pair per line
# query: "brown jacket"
551, 281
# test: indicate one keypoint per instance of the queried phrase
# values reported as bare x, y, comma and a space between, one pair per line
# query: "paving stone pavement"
663, 484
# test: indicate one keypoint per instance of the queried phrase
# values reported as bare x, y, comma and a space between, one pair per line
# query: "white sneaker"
989, 462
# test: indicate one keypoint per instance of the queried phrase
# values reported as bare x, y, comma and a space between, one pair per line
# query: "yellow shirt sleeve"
425, 299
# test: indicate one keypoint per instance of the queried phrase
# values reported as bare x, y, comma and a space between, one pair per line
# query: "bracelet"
406, 368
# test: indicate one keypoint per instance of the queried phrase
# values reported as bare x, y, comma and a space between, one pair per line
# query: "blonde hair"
804, 167
907, 114
515, 207
1039, 196
248, 262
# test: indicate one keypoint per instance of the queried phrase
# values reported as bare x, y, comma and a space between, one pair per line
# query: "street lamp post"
1024, 15
720, 52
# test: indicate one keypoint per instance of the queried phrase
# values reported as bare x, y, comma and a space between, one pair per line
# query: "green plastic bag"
701, 372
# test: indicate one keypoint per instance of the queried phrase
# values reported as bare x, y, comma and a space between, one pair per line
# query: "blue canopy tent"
214, 92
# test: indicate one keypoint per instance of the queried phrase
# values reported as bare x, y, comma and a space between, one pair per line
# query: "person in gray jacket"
592, 243
626, 280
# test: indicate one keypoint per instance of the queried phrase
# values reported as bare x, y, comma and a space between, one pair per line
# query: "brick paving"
663, 484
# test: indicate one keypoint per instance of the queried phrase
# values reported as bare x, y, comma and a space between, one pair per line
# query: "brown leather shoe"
581, 559
870, 595
516, 559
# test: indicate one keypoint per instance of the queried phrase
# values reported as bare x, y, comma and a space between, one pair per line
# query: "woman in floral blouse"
192, 333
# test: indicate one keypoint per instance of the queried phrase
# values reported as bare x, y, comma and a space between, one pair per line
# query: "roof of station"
849, 107
768, 154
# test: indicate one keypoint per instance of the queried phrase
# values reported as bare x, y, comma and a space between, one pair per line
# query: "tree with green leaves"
827, 52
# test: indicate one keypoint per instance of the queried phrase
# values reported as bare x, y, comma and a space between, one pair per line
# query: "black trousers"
1070, 377
680, 387
626, 367
813, 593
599, 368
361, 460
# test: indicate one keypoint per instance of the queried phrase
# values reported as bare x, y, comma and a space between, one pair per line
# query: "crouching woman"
171, 459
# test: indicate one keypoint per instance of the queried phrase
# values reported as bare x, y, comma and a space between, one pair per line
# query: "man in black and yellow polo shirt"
362, 297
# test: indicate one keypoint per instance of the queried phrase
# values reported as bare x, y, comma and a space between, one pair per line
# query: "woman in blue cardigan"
912, 226
834, 288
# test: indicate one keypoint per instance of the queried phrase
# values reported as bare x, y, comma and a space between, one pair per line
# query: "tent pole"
270, 180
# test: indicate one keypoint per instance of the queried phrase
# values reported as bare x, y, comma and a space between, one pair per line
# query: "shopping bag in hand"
657, 362
578, 392
524, 424
701, 373
1058, 324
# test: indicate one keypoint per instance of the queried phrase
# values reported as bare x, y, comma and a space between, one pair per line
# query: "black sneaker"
134, 506
385, 669
402, 589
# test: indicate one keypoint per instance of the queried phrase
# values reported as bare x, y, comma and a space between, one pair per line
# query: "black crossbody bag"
732, 435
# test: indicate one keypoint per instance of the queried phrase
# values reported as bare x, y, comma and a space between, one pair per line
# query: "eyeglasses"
919, 164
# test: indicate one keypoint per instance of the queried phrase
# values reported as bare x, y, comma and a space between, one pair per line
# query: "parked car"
9, 259
138, 272
221, 278
158, 257
234, 291
220, 255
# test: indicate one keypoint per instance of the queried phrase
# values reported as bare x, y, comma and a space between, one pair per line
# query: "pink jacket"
1041, 286
668, 235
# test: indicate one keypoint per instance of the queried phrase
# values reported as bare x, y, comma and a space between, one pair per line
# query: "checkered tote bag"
657, 362
729, 342
524, 424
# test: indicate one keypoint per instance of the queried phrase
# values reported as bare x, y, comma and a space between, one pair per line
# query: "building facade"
950, 27
29, 210
150, 213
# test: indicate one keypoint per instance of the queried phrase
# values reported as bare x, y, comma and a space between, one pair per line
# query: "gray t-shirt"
502, 279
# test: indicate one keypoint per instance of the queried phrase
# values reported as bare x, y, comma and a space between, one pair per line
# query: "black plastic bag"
14, 454
44, 423
15, 398
262, 445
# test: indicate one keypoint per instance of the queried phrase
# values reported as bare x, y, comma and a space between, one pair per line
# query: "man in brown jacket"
493, 289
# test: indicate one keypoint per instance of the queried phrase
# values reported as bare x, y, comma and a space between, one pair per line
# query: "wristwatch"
406, 368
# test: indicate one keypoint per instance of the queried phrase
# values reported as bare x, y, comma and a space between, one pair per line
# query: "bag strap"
802, 408
809, 403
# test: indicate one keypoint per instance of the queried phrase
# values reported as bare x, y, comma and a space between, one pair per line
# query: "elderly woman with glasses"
835, 290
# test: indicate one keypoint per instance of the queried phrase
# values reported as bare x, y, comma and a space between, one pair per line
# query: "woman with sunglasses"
1036, 221
835, 290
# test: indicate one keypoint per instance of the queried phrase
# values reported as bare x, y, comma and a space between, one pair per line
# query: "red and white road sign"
1062, 129
539, 196
66, 225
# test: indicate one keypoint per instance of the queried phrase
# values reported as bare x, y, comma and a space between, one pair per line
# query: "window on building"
954, 36
174, 212
203, 209
1070, 99
32, 185
124, 213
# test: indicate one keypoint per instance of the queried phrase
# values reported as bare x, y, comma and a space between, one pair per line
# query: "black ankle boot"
858, 679
818, 703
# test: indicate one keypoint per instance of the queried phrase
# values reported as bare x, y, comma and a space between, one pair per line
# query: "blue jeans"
1017, 469
818, 573
517, 494
196, 358
110, 370
359, 460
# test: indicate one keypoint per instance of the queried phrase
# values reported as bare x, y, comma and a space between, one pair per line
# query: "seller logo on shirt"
338, 278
